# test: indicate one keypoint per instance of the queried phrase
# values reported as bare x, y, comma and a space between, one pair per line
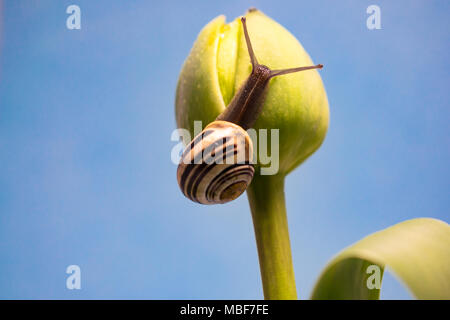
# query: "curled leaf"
417, 251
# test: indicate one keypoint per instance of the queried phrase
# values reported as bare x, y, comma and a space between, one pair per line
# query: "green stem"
266, 197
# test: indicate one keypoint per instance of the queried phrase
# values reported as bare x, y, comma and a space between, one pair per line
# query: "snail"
217, 166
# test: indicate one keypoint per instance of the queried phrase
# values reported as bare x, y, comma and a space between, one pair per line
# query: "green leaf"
417, 251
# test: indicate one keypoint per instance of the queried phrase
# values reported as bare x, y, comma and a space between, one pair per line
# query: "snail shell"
216, 166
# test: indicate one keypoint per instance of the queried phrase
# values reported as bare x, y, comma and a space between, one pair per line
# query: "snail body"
217, 166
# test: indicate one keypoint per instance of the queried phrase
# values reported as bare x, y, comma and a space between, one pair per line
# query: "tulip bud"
219, 64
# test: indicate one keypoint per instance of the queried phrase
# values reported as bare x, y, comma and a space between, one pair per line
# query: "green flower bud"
219, 64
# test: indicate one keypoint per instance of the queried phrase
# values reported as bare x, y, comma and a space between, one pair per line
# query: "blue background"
85, 123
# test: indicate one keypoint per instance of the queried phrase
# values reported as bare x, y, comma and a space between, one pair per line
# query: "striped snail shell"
216, 166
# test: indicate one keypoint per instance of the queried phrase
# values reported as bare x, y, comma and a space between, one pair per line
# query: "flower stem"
266, 197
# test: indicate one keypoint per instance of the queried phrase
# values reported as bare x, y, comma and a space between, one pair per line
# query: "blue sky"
85, 123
